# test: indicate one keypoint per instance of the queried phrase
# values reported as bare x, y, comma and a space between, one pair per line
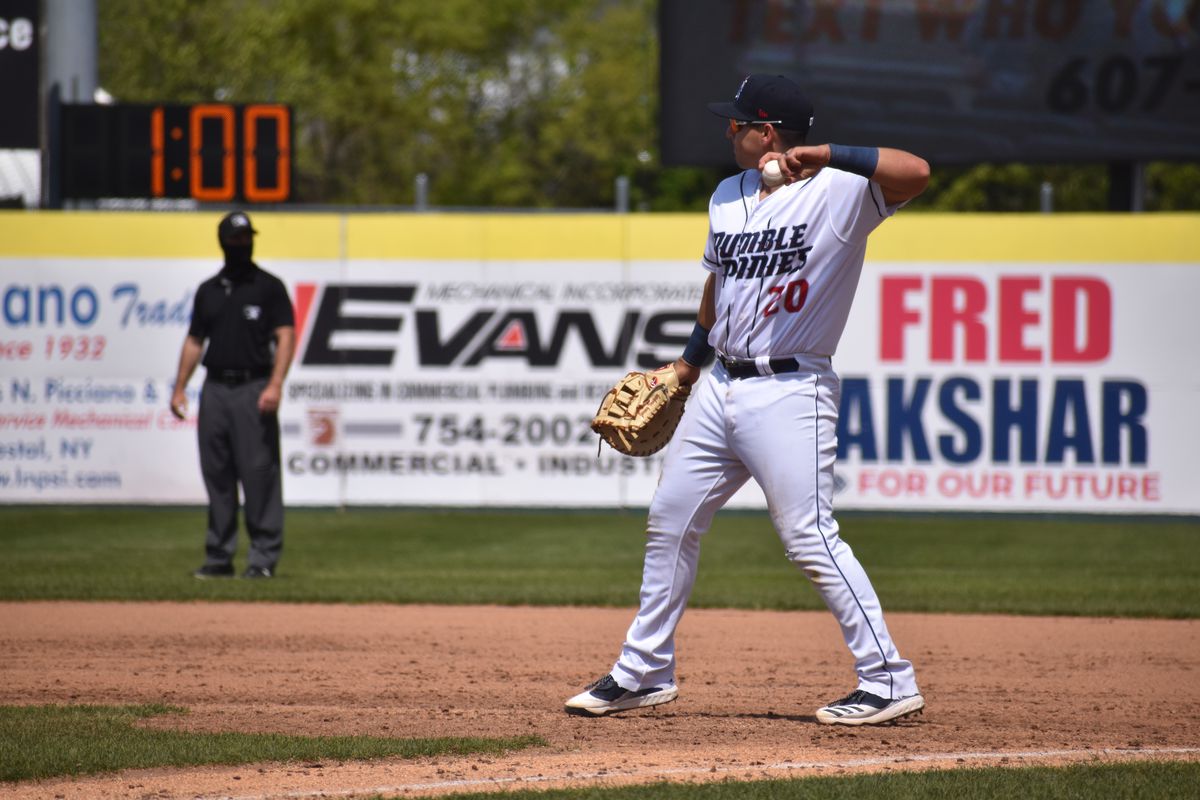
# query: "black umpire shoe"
258, 572
214, 571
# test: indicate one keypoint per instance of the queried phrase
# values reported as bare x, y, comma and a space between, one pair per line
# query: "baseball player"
783, 263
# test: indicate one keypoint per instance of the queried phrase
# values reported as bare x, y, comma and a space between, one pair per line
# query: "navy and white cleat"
864, 708
606, 697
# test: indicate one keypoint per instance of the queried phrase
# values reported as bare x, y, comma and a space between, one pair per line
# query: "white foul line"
655, 773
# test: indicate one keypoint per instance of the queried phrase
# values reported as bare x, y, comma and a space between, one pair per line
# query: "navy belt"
739, 368
236, 377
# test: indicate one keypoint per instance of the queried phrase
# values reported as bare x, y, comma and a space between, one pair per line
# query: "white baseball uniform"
786, 269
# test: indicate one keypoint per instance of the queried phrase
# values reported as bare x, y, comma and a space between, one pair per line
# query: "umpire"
245, 314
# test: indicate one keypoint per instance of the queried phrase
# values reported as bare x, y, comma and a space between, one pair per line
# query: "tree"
503, 103
1169, 186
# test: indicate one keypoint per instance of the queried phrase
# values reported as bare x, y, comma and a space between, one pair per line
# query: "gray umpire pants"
240, 445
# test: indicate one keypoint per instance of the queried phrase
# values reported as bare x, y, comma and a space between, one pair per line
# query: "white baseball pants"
781, 431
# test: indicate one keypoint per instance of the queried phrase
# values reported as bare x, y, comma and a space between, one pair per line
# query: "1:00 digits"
449, 429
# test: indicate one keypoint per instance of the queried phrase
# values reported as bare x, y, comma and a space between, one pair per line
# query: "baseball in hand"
772, 175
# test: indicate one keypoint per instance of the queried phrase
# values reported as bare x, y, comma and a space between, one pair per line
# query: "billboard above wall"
957, 81
989, 364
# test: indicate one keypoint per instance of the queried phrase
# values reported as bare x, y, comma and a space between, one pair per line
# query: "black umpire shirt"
238, 313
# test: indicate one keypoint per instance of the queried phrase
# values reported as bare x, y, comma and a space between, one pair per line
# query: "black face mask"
237, 257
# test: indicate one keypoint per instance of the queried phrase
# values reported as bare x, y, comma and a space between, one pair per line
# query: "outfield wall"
1007, 363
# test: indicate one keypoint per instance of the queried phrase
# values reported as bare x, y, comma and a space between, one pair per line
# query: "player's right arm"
901, 175
189, 357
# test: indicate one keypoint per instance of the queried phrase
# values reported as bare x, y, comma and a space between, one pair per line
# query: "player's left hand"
268, 401
639, 415
799, 163
688, 374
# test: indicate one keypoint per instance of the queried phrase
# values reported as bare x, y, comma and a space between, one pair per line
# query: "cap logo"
239, 221
762, 114
738, 94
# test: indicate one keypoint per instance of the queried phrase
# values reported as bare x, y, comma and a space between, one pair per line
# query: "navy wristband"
859, 160
698, 349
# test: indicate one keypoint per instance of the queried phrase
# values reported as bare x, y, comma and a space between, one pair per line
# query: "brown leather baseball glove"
639, 415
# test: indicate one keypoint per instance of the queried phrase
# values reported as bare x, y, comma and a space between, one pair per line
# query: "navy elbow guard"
698, 349
859, 160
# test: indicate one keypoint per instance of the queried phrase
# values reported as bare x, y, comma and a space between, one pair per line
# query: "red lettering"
1049, 26
1150, 487
976, 485
894, 316
997, 10
168, 422
1015, 318
892, 482
1078, 313
1066, 296
777, 27
1056, 486
1181, 27
954, 303
738, 17
1123, 24
770, 309
1092, 486
794, 295
870, 24
824, 21
932, 15
956, 483
16, 350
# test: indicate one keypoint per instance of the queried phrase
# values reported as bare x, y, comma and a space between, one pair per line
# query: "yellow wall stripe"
1103, 238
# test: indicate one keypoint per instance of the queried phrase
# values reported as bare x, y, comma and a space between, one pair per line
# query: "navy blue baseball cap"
768, 98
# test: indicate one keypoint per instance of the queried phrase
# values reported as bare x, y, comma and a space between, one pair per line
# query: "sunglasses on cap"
736, 125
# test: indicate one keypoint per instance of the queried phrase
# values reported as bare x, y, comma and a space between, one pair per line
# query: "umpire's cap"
768, 98
233, 223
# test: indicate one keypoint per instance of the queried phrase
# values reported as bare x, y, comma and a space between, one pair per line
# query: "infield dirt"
1000, 690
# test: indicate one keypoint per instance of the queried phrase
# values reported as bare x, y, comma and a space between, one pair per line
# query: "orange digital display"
208, 152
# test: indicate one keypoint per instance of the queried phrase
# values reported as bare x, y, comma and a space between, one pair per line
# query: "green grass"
1023, 565
38, 742
1019, 565
46, 741
1135, 781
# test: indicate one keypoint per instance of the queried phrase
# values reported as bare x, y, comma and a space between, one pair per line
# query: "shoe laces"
852, 699
602, 683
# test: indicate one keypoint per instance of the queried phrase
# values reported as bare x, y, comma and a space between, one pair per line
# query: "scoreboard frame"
206, 152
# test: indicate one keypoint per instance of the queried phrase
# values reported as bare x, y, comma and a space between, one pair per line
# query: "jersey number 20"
793, 296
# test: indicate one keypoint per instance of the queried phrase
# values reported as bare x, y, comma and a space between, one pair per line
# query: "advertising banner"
1021, 386
467, 375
